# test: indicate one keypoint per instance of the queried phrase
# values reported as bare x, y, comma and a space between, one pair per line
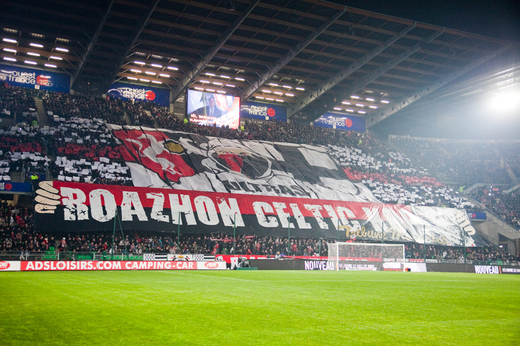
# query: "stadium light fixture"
337, 108
278, 100
64, 50
199, 88
139, 63
156, 82
288, 94
164, 75
156, 65
361, 112
300, 88
9, 50
287, 86
9, 59
273, 84
224, 76
217, 83
33, 54
9, 40
259, 97
221, 91
505, 101
385, 101
269, 99
354, 97
131, 78
349, 110
230, 85
210, 90
266, 91
278, 93
240, 79
209, 74
370, 99
55, 57
135, 71
37, 45
360, 105
51, 65
144, 80
150, 73
372, 106
204, 81
345, 103
29, 62
172, 68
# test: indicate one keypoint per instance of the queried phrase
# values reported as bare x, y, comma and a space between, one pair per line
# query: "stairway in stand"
43, 120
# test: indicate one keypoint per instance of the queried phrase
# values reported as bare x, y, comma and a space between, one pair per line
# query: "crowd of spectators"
461, 162
489, 253
16, 101
61, 105
18, 236
505, 205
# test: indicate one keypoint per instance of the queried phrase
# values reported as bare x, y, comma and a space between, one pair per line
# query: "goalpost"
366, 256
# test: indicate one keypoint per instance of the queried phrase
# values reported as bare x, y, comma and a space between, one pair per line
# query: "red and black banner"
66, 206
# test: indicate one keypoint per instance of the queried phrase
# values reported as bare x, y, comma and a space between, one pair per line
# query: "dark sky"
496, 18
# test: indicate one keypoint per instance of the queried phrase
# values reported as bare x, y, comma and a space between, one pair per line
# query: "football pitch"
258, 308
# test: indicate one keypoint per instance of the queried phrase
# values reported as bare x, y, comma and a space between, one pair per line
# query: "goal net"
366, 256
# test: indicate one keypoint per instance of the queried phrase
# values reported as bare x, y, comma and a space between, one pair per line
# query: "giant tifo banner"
66, 206
185, 161
36, 79
139, 93
341, 122
263, 111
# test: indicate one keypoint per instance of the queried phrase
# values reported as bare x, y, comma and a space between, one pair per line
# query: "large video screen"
207, 108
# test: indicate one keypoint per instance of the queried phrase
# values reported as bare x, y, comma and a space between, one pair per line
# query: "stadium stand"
78, 147
17, 239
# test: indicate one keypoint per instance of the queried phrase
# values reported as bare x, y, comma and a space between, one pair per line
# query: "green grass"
258, 308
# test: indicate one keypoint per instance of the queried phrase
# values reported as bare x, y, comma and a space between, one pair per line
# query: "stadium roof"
313, 56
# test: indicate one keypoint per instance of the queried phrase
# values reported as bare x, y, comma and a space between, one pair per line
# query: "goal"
366, 256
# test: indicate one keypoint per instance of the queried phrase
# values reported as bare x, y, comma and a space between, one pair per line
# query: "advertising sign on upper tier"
263, 111
62, 206
341, 122
140, 93
34, 79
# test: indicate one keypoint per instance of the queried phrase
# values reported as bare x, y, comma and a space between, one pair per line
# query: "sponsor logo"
211, 265
271, 112
487, 269
150, 95
510, 270
25, 78
319, 265
43, 80
6, 186
334, 121
133, 93
4, 265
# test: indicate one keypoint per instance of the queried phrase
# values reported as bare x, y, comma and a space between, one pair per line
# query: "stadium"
254, 172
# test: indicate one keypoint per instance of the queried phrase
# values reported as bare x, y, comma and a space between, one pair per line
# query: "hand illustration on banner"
47, 198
